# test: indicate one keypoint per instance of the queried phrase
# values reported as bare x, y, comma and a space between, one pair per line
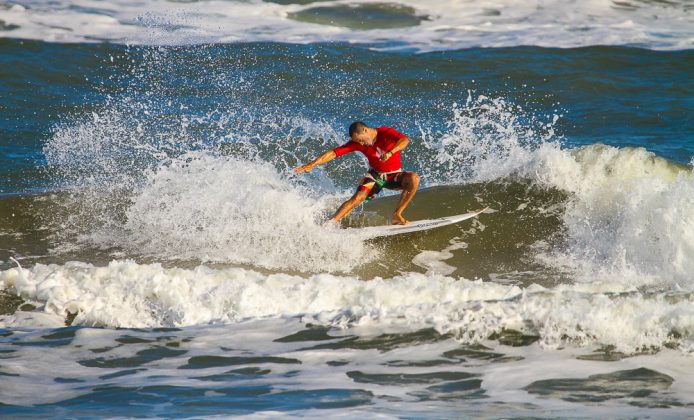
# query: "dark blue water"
612, 95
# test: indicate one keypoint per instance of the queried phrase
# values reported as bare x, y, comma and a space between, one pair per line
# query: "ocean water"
159, 258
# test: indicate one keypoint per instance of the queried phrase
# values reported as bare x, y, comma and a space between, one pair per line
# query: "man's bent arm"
320, 160
401, 144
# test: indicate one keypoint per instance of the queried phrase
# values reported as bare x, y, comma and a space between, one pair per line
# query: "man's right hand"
303, 168
324, 158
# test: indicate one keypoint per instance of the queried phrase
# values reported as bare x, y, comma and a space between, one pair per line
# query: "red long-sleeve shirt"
385, 140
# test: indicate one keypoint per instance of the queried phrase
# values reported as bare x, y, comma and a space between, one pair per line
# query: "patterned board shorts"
373, 182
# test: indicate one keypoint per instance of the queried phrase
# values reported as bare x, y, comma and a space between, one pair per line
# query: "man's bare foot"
399, 220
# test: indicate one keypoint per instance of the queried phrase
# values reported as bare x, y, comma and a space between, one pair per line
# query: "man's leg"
350, 204
410, 183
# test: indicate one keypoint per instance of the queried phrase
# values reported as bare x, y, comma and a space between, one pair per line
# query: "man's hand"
399, 146
324, 158
387, 155
303, 168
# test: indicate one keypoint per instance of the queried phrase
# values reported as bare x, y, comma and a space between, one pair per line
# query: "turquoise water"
160, 258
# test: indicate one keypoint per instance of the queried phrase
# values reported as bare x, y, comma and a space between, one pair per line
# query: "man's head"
361, 133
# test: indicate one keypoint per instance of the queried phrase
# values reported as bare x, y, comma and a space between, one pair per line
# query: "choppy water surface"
157, 250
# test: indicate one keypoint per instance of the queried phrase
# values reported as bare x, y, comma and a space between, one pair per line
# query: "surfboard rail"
416, 226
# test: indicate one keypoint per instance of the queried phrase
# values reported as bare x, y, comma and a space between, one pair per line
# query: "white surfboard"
419, 225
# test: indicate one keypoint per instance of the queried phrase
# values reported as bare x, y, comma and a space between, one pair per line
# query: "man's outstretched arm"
320, 160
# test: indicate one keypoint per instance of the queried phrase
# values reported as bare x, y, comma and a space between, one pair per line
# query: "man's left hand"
386, 156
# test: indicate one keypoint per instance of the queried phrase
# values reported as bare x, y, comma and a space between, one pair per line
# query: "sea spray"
228, 210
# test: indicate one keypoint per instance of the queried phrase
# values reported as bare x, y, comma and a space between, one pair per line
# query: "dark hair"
357, 127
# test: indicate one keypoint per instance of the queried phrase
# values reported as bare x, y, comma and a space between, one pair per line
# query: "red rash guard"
385, 140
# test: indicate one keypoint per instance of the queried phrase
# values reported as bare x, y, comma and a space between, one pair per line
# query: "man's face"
363, 137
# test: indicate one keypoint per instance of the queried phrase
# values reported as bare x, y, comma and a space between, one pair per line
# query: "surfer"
382, 147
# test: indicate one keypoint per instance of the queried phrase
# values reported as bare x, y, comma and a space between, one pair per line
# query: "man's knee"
360, 196
411, 180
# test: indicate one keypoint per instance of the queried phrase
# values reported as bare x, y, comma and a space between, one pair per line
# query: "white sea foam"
629, 214
633, 213
126, 294
434, 261
236, 211
148, 194
450, 24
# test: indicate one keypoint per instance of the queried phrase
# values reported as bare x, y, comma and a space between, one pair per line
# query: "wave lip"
448, 25
629, 213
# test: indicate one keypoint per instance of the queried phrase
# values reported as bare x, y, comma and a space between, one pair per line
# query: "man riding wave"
382, 147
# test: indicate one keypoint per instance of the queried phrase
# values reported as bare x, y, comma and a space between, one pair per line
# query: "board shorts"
374, 181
